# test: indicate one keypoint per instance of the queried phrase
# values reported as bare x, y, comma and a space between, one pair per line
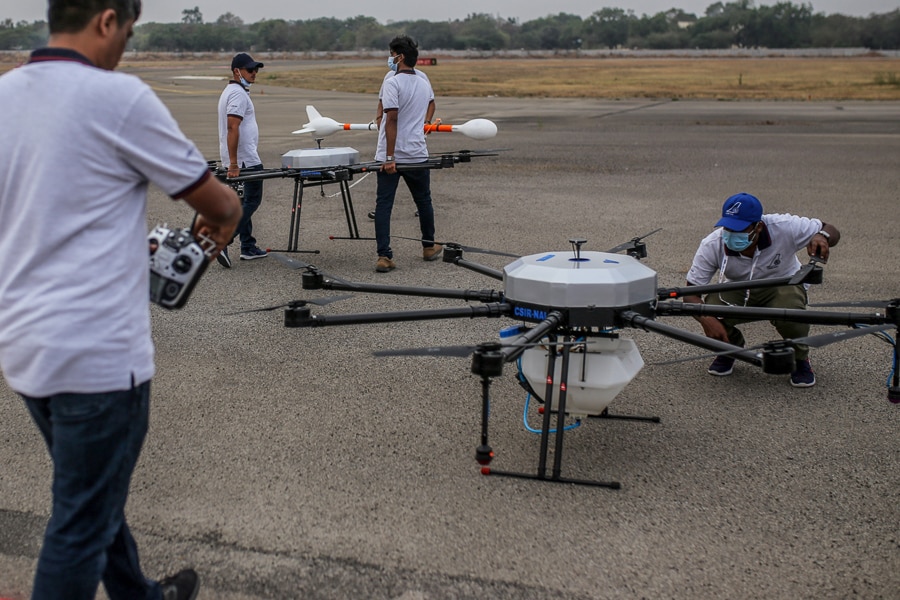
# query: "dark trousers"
250, 202
785, 296
419, 183
94, 441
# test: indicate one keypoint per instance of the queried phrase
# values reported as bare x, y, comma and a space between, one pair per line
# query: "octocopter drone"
571, 307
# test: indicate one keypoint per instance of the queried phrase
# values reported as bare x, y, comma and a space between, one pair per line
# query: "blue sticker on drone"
543, 258
609, 260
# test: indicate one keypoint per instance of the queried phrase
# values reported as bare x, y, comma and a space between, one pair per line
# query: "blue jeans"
250, 202
419, 183
94, 441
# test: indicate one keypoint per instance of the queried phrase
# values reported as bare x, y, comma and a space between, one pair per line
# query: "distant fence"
607, 53
18, 57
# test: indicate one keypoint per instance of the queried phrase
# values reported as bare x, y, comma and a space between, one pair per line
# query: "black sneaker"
223, 258
253, 253
803, 375
722, 366
184, 585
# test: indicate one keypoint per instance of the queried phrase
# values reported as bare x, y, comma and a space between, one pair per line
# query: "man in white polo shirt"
82, 144
750, 245
239, 148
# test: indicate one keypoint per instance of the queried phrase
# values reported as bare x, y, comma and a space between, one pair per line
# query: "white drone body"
589, 288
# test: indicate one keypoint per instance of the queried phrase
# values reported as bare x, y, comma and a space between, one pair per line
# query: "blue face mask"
245, 83
393, 66
736, 240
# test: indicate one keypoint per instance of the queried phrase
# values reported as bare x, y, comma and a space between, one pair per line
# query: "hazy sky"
251, 11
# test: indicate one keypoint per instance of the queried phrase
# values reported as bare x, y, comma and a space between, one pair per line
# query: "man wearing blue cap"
749, 245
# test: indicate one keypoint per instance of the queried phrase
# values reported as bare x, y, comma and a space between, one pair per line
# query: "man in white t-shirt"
379, 110
82, 144
750, 245
408, 100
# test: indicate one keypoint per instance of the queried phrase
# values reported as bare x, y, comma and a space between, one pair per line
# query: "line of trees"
724, 25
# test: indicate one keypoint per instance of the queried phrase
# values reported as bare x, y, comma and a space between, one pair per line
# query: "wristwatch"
825, 234
388, 159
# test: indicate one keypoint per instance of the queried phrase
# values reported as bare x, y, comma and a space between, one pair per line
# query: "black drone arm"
482, 310
813, 317
638, 321
700, 290
281, 173
808, 273
324, 283
442, 161
454, 255
437, 161
519, 344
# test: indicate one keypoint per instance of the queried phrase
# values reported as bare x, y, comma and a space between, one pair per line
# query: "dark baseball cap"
244, 61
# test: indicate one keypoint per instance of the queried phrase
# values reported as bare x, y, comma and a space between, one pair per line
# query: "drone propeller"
630, 243
814, 341
299, 264
472, 249
294, 304
824, 339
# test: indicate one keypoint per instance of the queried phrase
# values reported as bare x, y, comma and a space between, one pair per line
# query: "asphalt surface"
292, 463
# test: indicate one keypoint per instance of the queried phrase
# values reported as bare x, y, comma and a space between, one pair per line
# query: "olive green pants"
785, 296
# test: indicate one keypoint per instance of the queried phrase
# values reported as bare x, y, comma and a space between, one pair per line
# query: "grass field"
771, 78
867, 78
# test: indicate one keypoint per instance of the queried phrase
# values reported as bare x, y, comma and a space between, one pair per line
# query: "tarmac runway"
292, 463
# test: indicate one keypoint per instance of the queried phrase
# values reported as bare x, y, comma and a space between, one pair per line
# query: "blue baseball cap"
740, 211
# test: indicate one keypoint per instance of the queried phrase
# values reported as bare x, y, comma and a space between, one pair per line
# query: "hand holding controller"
177, 261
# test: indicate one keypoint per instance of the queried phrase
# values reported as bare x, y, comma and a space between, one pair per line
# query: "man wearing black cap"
750, 245
238, 142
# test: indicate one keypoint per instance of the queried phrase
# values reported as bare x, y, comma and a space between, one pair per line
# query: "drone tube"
484, 310
814, 317
478, 268
633, 319
699, 290
375, 288
545, 327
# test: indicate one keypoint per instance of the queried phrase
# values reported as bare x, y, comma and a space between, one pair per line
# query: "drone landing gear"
488, 362
606, 415
307, 179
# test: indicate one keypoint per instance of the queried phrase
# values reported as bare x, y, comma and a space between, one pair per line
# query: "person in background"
407, 100
379, 109
75, 339
238, 148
